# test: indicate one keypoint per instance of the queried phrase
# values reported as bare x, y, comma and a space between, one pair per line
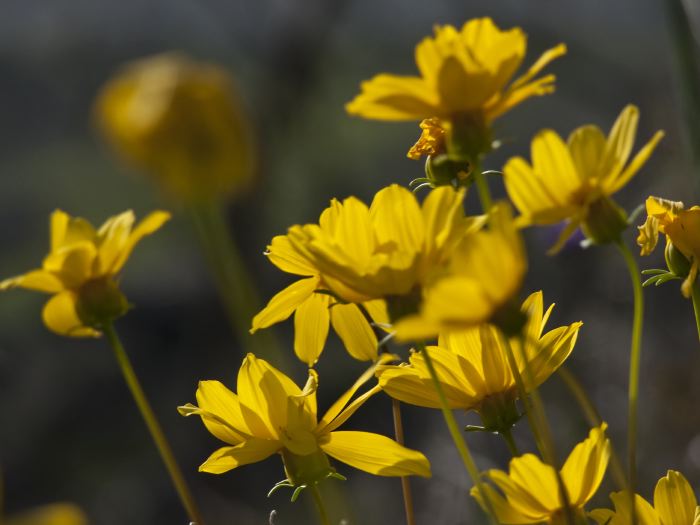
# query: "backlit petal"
283, 304
60, 316
227, 458
311, 321
674, 499
355, 332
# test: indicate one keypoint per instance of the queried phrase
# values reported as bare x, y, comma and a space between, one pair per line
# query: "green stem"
696, 305
593, 417
322, 514
233, 280
405, 481
508, 437
635, 358
453, 428
154, 428
537, 419
482, 189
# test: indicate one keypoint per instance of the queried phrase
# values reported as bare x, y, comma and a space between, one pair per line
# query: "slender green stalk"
593, 417
233, 280
405, 482
696, 305
322, 514
635, 359
154, 428
537, 419
508, 437
452, 426
482, 189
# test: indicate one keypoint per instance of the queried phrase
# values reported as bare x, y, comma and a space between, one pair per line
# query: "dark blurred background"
68, 427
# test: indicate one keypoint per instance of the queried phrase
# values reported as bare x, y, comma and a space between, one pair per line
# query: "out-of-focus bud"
181, 122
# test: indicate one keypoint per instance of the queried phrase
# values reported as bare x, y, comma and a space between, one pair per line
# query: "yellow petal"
375, 454
147, 226
646, 515
505, 513
648, 235
56, 514
460, 90
311, 327
544, 59
67, 230
227, 458
58, 226
534, 484
396, 217
528, 192
113, 237
60, 316
514, 96
494, 364
406, 384
585, 467
282, 254
391, 97
263, 390
355, 332
72, 264
283, 304
637, 162
587, 146
39, 280
674, 499
620, 142
553, 163
442, 215
228, 423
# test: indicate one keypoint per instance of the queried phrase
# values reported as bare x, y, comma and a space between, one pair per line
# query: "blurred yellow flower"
56, 514
473, 367
481, 280
80, 270
674, 504
271, 414
573, 181
531, 490
180, 121
387, 250
463, 71
682, 230
314, 311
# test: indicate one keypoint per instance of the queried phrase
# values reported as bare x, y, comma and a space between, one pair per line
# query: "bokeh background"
68, 428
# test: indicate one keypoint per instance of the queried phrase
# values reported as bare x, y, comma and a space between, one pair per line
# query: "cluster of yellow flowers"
395, 271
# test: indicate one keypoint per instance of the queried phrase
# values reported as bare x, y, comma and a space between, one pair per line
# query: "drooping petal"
355, 332
311, 321
283, 304
674, 499
228, 458
61, 317
392, 97
375, 454
38, 280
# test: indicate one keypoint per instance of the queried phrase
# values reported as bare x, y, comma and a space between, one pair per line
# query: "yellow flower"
431, 141
473, 367
463, 71
56, 514
674, 504
531, 490
314, 311
388, 250
80, 270
573, 181
181, 122
270, 414
483, 277
682, 230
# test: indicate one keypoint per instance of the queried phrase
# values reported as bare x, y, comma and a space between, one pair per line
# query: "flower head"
387, 250
674, 504
181, 122
461, 71
478, 285
271, 414
80, 270
530, 489
682, 229
473, 366
573, 181
314, 311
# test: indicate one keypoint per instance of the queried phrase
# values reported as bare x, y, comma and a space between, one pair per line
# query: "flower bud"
677, 263
181, 122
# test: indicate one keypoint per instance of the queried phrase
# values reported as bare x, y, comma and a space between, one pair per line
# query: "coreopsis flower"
682, 229
674, 504
56, 514
314, 310
474, 371
530, 492
479, 284
271, 414
388, 250
81, 270
574, 181
465, 78
181, 122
